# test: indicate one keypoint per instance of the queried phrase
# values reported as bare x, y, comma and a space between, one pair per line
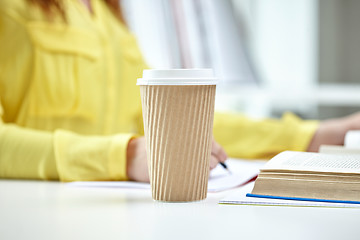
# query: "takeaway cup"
178, 113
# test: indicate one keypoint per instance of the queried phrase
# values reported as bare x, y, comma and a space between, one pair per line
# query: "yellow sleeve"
243, 137
35, 154
91, 158
39, 154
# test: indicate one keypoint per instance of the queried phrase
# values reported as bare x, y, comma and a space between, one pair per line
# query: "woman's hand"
217, 155
137, 168
332, 131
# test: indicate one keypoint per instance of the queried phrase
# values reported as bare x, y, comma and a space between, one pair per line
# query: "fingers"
213, 162
218, 152
217, 155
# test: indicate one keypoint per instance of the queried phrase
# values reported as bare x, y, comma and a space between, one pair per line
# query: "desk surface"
52, 210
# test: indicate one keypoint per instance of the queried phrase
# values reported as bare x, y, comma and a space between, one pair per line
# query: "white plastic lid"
178, 77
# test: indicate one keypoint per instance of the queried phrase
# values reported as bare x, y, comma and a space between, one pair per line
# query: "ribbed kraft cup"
178, 123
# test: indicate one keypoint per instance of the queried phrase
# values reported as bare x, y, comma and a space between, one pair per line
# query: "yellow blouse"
69, 103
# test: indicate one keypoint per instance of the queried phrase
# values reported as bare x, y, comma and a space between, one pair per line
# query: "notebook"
239, 197
220, 179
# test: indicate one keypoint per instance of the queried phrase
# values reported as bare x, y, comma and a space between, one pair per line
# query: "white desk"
51, 210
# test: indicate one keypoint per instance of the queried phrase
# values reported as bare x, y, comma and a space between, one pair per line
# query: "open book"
312, 176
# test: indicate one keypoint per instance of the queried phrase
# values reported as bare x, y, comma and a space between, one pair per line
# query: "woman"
70, 108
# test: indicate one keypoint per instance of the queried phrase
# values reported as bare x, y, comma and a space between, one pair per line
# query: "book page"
305, 161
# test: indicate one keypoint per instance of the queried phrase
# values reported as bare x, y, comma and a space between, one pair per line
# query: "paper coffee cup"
178, 113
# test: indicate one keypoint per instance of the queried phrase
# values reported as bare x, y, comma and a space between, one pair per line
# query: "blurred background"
272, 56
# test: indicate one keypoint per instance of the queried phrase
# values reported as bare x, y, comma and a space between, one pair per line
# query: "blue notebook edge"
301, 199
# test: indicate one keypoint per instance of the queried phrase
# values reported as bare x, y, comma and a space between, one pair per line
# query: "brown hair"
53, 7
